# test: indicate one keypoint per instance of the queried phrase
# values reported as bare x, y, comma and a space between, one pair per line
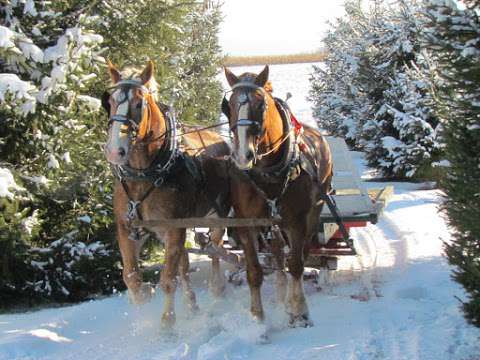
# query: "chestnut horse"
155, 179
280, 169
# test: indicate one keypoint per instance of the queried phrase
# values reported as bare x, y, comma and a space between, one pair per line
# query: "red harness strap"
296, 124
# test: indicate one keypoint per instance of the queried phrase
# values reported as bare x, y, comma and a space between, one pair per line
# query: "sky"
272, 27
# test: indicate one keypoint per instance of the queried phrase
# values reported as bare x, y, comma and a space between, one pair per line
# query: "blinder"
125, 86
255, 127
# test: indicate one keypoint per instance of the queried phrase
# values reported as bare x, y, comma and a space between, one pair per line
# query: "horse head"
250, 114
135, 121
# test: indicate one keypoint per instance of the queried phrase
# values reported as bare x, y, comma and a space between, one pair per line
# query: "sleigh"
356, 207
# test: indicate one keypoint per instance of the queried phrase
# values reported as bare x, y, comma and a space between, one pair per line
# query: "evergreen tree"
57, 241
453, 35
339, 98
51, 140
199, 91
181, 37
374, 91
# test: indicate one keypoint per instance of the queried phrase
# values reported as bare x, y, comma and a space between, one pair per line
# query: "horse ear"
114, 73
232, 79
262, 78
147, 73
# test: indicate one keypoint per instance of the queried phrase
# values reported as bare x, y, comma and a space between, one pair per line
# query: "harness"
299, 157
168, 161
293, 162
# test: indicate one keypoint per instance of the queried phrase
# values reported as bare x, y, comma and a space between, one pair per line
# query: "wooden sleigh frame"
355, 205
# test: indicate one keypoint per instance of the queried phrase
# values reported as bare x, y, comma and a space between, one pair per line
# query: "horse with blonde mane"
281, 168
156, 179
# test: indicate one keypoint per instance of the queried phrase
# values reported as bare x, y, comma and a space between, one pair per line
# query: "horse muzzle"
244, 162
117, 156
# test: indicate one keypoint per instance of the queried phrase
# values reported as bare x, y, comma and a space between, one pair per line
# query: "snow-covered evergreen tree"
51, 140
373, 89
181, 37
199, 91
56, 232
337, 88
453, 35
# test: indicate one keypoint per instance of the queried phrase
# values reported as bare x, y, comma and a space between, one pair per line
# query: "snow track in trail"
394, 301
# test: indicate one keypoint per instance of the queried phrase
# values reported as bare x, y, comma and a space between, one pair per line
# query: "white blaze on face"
245, 144
118, 137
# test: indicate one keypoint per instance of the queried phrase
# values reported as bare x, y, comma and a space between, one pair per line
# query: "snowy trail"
394, 301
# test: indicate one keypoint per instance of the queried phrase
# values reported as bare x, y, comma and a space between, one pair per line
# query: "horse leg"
217, 279
254, 273
174, 247
138, 291
188, 293
278, 243
297, 308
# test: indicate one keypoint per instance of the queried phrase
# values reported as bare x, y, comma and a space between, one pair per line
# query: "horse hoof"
193, 310
259, 318
302, 320
168, 320
142, 295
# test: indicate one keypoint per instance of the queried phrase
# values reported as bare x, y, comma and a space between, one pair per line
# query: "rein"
277, 146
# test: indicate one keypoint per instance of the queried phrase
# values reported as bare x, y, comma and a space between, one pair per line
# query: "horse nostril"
121, 152
249, 155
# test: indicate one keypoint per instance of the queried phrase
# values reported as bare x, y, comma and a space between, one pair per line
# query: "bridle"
244, 101
126, 91
162, 164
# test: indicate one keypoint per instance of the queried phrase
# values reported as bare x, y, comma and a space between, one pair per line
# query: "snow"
52, 162
7, 184
31, 51
18, 88
395, 300
66, 157
29, 223
90, 102
30, 8
391, 144
85, 218
6, 37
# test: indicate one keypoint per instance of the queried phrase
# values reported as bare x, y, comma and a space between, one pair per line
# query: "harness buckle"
132, 210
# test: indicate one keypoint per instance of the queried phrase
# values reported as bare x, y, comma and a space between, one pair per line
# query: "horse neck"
146, 149
274, 134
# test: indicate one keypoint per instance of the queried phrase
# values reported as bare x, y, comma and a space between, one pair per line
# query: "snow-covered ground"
394, 301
